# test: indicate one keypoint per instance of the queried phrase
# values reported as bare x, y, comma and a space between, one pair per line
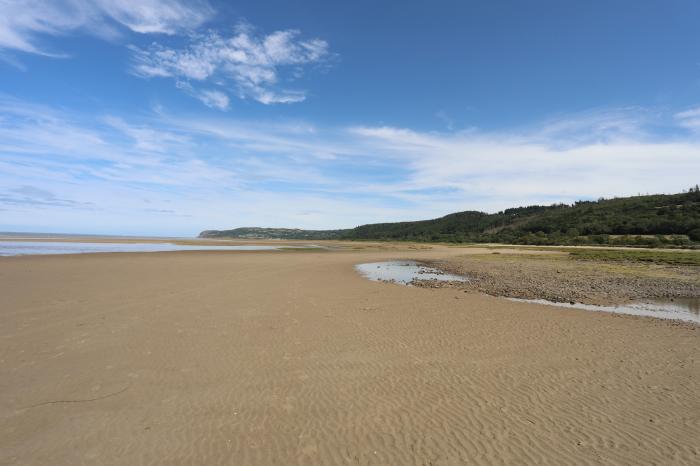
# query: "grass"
650, 256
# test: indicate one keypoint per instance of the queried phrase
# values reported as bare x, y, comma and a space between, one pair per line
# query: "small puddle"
685, 309
404, 272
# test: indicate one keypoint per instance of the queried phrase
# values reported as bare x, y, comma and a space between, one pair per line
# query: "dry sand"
292, 358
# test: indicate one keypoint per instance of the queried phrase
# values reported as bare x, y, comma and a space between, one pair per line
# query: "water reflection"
685, 309
404, 272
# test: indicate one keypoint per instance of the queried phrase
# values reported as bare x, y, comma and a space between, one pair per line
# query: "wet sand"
294, 358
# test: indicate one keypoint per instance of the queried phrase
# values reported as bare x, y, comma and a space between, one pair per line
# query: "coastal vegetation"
634, 255
659, 220
273, 233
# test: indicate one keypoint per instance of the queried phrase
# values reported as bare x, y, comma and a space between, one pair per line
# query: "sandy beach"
271, 357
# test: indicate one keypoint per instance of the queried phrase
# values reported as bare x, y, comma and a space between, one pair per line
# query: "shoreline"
560, 279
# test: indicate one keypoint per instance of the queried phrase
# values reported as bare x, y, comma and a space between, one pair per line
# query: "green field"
650, 256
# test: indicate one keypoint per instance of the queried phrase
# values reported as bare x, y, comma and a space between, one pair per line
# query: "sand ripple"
295, 359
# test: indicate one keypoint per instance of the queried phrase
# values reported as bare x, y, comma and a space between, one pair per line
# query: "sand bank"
294, 358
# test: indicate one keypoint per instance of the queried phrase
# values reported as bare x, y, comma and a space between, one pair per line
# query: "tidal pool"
19, 248
685, 309
404, 272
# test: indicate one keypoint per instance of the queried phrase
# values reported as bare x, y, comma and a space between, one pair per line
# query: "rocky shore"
560, 279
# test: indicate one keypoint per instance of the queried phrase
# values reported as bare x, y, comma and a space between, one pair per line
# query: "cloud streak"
37, 197
25, 23
689, 119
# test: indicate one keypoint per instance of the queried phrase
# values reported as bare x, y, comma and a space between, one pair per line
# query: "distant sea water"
20, 248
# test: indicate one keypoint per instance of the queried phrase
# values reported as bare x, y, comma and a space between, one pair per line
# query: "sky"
168, 117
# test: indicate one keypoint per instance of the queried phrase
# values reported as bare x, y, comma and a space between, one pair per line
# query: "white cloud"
222, 172
214, 99
23, 23
157, 16
248, 63
689, 119
492, 171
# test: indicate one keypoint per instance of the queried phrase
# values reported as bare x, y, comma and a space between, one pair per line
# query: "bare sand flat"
293, 358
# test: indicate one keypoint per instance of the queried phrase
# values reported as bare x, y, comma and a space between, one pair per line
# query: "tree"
694, 234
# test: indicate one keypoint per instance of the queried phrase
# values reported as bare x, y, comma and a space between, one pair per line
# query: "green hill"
272, 233
653, 220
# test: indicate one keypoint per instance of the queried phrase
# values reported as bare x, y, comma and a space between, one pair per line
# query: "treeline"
655, 220
652, 220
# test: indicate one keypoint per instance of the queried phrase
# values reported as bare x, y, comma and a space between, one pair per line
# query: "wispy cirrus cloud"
689, 119
37, 197
157, 16
145, 138
212, 98
25, 24
247, 63
592, 126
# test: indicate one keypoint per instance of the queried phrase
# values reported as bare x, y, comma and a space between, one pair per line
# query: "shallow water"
404, 272
18, 248
685, 309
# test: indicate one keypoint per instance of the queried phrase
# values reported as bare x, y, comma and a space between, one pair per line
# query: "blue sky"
167, 117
